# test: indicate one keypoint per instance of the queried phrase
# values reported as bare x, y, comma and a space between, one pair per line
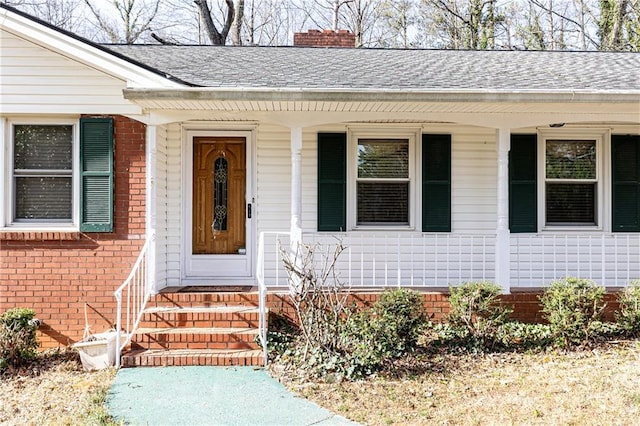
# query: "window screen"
42, 172
383, 182
571, 182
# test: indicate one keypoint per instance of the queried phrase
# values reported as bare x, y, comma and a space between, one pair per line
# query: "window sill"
551, 229
24, 235
384, 228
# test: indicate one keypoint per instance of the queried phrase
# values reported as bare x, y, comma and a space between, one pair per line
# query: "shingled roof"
390, 69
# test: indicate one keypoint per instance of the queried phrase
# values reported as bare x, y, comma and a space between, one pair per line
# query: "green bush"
390, 329
628, 315
403, 313
18, 341
476, 310
573, 307
515, 335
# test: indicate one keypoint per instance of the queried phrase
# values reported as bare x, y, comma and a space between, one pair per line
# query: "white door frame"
239, 269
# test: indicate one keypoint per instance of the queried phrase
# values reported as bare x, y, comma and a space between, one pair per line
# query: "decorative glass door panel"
219, 179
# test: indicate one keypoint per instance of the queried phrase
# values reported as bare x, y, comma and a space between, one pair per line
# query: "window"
577, 179
380, 175
59, 174
42, 167
570, 182
370, 181
383, 182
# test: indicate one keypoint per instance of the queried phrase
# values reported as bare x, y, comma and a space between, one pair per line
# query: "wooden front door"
219, 179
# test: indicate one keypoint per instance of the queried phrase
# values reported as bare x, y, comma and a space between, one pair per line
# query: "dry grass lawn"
595, 387
54, 390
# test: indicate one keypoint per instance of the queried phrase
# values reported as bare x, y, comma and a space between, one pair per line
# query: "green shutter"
625, 169
523, 195
332, 181
96, 174
436, 183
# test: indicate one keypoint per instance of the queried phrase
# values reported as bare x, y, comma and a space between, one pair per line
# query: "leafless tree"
362, 19
268, 22
123, 21
466, 24
323, 14
397, 18
236, 26
216, 36
65, 14
619, 25
471, 24
567, 23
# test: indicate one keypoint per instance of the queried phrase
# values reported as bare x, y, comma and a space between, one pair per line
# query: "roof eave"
369, 95
77, 48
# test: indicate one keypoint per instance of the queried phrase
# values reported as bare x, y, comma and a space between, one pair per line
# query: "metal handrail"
262, 293
137, 296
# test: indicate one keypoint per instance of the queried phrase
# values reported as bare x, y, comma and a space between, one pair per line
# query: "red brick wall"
436, 304
526, 306
58, 274
326, 38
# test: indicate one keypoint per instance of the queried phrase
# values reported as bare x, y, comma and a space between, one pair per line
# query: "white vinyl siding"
174, 203
432, 260
36, 80
473, 177
426, 260
474, 180
161, 206
273, 192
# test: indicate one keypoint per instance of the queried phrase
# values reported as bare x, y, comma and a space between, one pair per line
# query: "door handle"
249, 211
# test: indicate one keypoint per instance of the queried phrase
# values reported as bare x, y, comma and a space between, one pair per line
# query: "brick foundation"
57, 273
526, 306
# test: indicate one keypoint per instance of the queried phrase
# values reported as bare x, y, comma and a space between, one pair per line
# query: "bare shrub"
318, 295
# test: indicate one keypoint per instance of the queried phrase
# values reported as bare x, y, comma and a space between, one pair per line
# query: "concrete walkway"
210, 396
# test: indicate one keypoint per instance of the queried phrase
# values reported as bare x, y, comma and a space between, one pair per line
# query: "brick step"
196, 338
204, 299
214, 316
183, 357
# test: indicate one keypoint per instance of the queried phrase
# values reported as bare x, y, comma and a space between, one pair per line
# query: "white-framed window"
571, 179
382, 179
41, 162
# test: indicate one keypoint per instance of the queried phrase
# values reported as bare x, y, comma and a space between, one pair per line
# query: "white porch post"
151, 206
503, 145
3, 177
296, 187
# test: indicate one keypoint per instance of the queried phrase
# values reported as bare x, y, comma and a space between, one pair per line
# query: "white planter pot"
98, 351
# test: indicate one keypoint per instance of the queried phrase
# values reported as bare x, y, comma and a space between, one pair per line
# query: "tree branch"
217, 37
561, 16
231, 11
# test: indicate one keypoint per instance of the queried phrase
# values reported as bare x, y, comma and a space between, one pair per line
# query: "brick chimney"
326, 38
